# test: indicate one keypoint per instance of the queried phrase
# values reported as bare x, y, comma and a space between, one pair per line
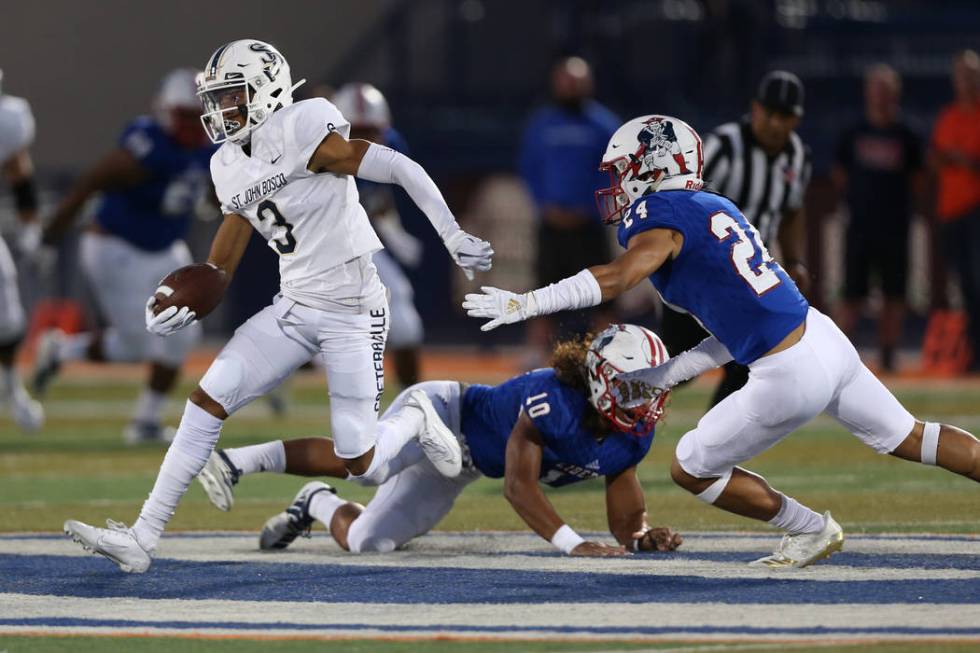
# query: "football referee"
760, 163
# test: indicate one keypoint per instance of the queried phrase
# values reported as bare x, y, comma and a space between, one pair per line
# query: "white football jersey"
315, 222
16, 126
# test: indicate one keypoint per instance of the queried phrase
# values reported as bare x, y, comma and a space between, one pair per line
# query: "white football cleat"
280, 530
438, 442
47, 361
806, 548
117, 543
219, 478
27, 412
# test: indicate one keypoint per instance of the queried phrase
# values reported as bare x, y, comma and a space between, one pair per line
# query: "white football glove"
501, 306
631, 389
469, 252
170, 320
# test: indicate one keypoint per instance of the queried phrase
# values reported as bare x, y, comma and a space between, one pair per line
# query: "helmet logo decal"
659, 139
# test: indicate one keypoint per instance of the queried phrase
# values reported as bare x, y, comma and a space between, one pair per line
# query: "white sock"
196, 436
394, 433
75, 348
323, 505
795, 518
265, 457
149, 406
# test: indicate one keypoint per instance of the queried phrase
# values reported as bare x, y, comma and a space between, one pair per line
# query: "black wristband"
25, 195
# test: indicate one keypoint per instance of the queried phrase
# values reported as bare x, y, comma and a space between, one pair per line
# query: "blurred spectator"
762, 165
878, 165
562, 146
956, 157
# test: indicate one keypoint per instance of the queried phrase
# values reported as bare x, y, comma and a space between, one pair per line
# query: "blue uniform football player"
150, 187
552, 426
704, 257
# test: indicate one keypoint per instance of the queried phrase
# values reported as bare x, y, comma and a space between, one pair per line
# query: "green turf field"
78, 468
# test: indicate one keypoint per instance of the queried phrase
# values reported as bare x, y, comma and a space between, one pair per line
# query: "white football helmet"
363, 105
248, 78
648, 154
624, 348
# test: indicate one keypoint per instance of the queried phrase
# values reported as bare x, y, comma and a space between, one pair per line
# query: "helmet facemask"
630, 177
639, 420
228, 111
633, 348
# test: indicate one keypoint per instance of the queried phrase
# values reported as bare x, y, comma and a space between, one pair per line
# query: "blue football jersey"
723, 274
155, 213
571, 452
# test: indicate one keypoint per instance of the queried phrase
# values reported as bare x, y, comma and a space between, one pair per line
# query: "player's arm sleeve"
706, 355
386, 166
646, 250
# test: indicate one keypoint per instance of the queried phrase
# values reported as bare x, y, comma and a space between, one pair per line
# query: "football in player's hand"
200, 287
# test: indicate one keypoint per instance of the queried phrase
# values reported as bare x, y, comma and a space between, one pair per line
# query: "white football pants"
122, 278
414, 500
820, 374
277, 340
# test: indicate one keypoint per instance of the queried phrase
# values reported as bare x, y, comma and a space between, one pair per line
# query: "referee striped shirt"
764, 187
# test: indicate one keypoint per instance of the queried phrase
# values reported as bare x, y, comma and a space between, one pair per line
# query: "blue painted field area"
497, 585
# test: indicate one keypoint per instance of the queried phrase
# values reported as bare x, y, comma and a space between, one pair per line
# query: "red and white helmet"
624, 348
648, 154
363, 105
247, 76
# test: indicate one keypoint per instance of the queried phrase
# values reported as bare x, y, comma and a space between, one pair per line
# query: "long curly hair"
568, 361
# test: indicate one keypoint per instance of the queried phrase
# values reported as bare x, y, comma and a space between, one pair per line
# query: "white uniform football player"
366, 108
16, 136
287, 170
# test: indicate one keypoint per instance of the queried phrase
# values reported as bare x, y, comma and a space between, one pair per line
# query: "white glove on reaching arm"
505, 307
501, 306
386, 166
169, 321
634, 388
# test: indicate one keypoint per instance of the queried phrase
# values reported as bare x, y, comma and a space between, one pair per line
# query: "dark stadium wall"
88, 67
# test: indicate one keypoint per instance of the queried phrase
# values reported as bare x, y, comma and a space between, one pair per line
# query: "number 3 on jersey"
761, 278
287, 244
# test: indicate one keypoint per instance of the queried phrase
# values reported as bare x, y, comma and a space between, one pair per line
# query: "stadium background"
462, 76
